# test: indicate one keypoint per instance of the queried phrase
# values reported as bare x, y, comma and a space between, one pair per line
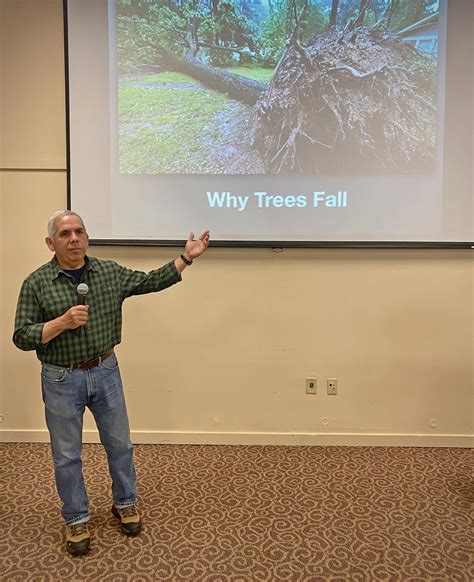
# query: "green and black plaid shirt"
49, 292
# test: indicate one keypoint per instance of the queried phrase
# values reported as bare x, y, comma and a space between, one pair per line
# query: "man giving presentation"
70, 312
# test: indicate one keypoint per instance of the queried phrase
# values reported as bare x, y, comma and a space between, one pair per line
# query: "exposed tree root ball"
356, 99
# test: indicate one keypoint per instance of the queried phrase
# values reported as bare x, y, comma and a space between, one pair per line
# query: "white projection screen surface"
271, 122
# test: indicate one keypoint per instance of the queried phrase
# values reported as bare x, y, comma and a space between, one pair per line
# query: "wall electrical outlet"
332, 386
311, 385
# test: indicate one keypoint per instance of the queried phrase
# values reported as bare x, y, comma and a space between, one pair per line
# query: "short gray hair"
56, 216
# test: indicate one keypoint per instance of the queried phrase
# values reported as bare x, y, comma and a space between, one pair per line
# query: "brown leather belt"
87, 364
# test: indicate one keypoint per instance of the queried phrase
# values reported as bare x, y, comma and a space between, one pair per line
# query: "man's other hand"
76, 316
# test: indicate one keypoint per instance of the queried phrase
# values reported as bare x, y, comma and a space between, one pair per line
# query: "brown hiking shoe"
130, 521
78, 539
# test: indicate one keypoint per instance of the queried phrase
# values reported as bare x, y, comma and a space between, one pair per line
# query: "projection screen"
271, 123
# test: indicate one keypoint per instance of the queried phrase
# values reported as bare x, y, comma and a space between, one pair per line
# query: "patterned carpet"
249, 514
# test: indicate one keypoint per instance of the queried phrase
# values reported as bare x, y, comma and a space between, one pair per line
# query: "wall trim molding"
262, 438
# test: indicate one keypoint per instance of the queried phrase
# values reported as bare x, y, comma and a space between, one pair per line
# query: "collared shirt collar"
56, 270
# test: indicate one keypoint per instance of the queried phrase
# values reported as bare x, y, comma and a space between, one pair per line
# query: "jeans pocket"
111, 363
53, 373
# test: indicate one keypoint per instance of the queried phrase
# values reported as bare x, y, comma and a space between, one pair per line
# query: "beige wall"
223, 356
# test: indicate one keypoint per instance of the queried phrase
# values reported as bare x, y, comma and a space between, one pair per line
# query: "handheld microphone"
82, 291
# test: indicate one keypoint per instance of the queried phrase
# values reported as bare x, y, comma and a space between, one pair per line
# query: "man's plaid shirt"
49, 292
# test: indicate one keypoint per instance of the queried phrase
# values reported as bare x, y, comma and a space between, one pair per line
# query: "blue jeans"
66, 393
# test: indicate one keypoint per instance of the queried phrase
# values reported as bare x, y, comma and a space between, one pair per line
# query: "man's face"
70, 242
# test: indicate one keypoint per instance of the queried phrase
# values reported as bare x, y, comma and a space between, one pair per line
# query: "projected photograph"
303, 87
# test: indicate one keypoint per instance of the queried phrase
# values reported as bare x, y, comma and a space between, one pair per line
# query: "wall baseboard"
263, 438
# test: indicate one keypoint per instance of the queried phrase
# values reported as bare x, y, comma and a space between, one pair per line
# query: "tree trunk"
214, 10
362, 8
391, 10
237, 87
333, 17
226, 49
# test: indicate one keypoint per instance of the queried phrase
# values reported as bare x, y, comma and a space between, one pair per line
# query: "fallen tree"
238, 87
348, 100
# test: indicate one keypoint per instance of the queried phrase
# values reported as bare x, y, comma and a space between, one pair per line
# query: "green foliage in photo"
275, 30
141, 33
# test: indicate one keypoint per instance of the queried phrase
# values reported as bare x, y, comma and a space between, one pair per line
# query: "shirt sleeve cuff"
174, 272
30, 337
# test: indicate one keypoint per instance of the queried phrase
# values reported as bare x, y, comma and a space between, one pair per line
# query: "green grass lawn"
162, 126
256, 73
